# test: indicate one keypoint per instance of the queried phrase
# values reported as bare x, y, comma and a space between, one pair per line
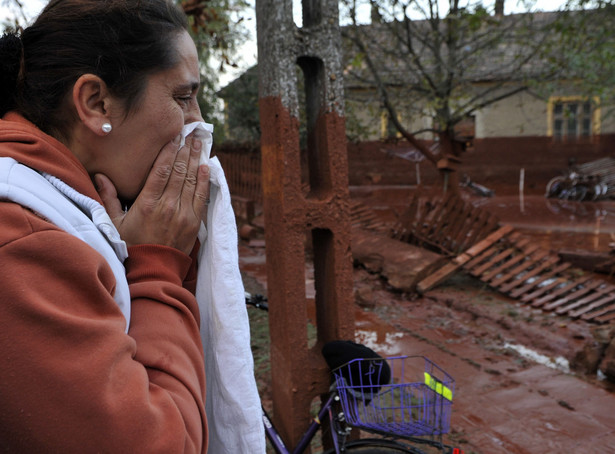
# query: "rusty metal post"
296, 216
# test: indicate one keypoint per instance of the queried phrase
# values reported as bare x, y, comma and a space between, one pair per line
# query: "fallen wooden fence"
511, 264
504, 259
447, 224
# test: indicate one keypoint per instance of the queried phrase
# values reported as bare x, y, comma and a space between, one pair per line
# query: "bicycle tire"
554, 187
576, 193
377, 446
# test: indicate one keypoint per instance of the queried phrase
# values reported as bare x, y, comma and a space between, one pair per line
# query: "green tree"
241, 108
217, 28
582, 51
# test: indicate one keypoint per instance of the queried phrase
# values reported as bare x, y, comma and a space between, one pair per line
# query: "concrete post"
305, 201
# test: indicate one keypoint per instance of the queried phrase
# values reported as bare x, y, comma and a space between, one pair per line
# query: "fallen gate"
505, 260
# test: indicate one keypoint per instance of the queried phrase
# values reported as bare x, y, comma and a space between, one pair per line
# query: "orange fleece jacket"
72, 380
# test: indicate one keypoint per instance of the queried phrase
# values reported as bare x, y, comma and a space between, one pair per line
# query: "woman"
99, 337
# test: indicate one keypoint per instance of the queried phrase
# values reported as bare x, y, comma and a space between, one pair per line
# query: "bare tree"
432, 68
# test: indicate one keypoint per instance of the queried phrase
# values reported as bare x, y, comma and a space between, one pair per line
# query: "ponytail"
11, 51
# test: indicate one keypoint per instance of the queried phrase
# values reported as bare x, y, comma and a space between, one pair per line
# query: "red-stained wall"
495, 163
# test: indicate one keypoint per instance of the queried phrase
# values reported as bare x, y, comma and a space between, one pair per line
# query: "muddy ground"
520, 383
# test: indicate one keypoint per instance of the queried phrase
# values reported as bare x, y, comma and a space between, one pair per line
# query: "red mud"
504, 402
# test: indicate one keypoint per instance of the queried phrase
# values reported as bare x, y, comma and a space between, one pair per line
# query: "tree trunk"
450, 158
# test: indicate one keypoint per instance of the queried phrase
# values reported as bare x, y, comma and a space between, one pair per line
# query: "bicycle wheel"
377, 446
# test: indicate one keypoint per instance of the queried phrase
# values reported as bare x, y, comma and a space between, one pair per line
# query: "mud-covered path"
515, 392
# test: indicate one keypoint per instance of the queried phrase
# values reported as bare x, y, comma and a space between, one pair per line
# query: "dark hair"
121, 41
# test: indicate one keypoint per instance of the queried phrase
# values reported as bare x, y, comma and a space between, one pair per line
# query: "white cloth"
71, 211
233, 405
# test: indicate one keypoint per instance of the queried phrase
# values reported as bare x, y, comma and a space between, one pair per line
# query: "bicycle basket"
402, 407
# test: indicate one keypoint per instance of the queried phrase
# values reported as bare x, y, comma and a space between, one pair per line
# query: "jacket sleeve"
72, 380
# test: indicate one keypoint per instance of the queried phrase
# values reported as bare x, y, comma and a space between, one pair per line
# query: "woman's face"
166, 105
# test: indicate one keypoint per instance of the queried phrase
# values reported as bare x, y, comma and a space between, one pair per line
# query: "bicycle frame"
325, 411
338, 428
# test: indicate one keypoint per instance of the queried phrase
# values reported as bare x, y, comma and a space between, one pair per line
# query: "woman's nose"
194, 114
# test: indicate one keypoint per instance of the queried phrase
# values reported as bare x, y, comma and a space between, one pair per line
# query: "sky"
247, 56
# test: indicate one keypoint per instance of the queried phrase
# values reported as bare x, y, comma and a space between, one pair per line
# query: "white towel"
232, 404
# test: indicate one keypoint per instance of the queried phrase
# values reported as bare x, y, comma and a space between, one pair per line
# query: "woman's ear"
91, 99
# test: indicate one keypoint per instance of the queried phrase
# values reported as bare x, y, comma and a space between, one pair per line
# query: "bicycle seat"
341, 352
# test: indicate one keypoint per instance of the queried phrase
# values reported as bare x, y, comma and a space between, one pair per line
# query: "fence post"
305, 200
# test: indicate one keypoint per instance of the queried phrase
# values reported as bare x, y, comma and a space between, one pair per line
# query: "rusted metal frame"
541, 265
570, 286
589, 287
527, 260
544, 277
492, 276
597, 294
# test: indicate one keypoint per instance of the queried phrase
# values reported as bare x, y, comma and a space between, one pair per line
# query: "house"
535, 121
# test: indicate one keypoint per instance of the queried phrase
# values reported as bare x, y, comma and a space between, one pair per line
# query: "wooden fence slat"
448, 269
607, 317
513, 260
590, 307
590, 314
541, 265
431, 215
543, 277
450, 210
560, 291
527, 261
596, 294
406, 223
539, 292
458, 241
580, 292
464, 233
493, 261
489, 226
480, 258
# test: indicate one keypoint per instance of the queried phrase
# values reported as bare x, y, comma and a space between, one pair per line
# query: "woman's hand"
172, 203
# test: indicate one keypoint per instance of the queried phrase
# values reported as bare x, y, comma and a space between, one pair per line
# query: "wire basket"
378, 396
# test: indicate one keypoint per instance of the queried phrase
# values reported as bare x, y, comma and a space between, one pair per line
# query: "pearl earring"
106, 127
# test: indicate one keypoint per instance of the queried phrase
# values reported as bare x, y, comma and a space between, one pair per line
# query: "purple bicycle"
373, 394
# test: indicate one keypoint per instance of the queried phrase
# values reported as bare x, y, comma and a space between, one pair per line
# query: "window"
387, 128
573, 118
